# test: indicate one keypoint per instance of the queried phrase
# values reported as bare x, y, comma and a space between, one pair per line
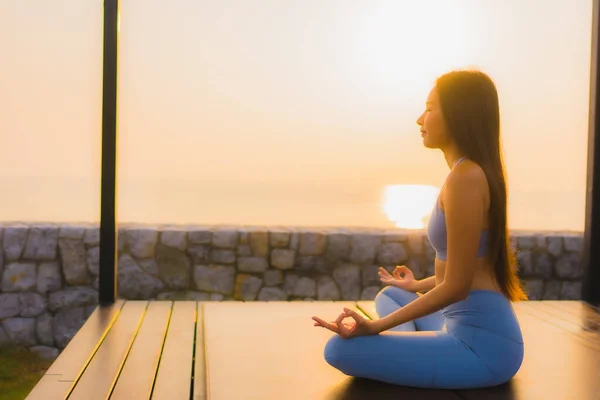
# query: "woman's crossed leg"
428, 359
418, 353
391, 298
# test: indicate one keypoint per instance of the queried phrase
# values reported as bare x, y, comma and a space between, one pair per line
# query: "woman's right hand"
408, 282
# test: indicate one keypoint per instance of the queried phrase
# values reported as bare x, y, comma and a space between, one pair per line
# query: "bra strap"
459, 161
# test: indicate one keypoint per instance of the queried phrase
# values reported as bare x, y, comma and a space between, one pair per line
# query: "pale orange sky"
295, 112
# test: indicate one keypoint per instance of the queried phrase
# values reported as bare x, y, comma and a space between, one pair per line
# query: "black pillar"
108, 222
591, 243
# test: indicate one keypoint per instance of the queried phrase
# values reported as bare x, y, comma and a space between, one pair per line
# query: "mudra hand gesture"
359, 327
408, 282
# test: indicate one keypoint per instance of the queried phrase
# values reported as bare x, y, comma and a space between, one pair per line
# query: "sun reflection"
409, 206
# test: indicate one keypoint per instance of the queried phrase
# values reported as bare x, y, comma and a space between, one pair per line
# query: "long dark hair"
469, 103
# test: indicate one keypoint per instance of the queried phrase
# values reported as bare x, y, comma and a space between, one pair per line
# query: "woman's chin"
426, 143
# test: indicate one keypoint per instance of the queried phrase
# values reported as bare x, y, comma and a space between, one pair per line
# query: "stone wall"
50, 272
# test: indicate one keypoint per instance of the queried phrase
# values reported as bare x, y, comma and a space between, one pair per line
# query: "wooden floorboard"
174, 377
563, 321
137, 376
577, 312
200, 358
50, 387
271, 350
66, 369
571, 305
99, 377
367, 308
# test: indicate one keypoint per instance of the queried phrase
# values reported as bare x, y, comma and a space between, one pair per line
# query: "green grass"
20, 370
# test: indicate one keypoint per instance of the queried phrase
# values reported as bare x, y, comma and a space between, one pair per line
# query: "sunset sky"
297, 112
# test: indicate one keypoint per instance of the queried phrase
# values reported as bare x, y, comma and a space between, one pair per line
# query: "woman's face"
433, 127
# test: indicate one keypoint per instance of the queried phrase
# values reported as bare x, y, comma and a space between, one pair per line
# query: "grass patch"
20, 370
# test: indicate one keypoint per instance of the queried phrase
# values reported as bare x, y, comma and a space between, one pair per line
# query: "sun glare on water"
409, 206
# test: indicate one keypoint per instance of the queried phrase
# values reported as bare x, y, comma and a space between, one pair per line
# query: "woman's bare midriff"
482, 280
484, 275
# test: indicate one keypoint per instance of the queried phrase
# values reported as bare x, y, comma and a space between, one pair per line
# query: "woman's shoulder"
467, 176
466, 189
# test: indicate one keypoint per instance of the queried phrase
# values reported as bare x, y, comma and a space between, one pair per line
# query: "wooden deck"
270, 350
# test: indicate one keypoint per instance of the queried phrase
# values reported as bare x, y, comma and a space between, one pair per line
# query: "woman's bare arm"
425, 285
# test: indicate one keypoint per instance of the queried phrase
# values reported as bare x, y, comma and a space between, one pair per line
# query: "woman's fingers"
340, 319
388, 281
355, 316
344, 331
396, 274
383, 270
329, 325
402, 269
338, 326
383, 273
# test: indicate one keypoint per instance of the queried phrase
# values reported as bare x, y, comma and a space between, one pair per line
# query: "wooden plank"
75, 357
564, 320
101, 374
85, 343
583, 313
571, 314
174, 378
555, 366
368, 309
534, 309
271, 350
200, 358
50, 387
137, 377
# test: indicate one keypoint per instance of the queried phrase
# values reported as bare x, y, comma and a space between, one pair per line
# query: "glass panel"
50, 110
303, 112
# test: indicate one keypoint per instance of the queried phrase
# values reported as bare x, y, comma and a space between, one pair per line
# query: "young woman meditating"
462, 332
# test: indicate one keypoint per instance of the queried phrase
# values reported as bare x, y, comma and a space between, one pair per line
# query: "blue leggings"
473, 343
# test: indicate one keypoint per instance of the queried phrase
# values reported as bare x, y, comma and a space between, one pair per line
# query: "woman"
462, 333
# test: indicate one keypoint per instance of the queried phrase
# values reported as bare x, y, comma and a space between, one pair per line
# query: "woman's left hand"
359, 327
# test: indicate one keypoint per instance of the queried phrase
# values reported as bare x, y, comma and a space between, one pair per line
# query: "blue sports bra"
436, 231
